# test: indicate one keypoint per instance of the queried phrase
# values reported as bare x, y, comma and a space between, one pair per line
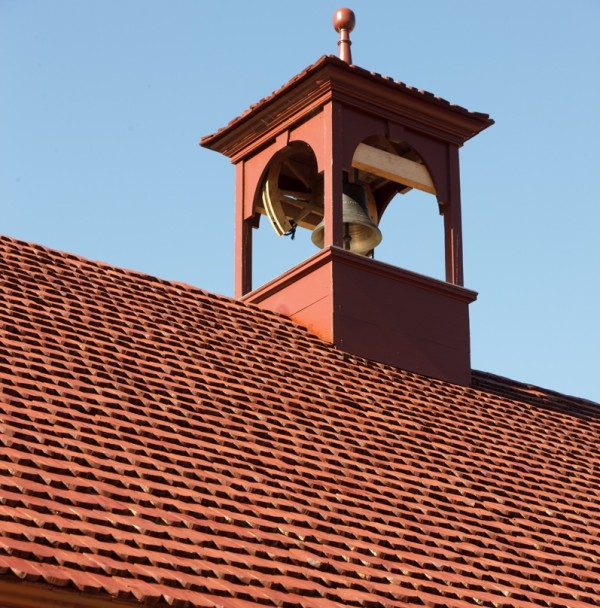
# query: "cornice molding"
330, 79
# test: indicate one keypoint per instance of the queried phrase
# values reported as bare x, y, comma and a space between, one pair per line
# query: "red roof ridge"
526, 391
80, 259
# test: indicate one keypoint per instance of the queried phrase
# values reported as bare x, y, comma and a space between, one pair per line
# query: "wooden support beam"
392, 167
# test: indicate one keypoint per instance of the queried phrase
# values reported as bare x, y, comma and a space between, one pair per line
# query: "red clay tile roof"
169, 446
485, 119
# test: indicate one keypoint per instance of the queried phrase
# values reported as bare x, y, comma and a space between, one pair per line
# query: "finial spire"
344, 21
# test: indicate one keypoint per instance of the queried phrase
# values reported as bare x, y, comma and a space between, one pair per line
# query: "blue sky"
103, 102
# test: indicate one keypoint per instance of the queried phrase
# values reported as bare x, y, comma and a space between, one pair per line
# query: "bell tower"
328, 152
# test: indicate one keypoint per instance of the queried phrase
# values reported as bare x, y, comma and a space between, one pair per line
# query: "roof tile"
157, 447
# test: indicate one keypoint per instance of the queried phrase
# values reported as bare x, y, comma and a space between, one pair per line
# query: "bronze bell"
361, 235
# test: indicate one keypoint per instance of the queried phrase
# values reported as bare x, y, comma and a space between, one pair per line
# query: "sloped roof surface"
397, 85
170, 446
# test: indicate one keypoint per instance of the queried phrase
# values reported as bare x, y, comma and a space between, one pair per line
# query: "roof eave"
330, 78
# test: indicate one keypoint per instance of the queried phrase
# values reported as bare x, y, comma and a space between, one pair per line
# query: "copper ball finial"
344, 21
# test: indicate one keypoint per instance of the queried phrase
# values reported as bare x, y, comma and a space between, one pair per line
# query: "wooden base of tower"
395, 316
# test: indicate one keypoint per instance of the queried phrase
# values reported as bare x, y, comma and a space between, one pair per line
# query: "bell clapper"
347, 237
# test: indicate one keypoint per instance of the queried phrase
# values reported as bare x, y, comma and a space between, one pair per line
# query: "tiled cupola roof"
163, 446
219, 140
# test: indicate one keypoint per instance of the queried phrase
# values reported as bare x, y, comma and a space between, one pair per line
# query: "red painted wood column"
453, 222
243, 238
333, 175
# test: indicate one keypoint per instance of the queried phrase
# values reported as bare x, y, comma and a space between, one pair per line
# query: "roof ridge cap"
528, 389
140, 275
76, 257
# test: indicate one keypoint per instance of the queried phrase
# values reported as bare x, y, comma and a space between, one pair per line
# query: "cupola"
328, 152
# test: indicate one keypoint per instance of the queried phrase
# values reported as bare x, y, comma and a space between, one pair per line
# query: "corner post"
243, 238
333, 175
453, 222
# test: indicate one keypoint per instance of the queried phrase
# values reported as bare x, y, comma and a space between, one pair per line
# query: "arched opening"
396, 182
413, 231
289, 197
